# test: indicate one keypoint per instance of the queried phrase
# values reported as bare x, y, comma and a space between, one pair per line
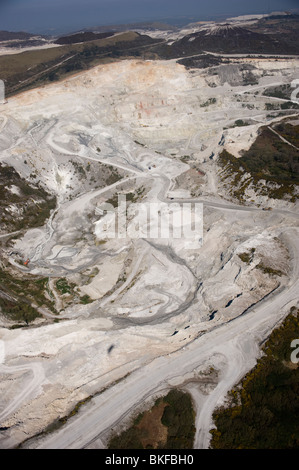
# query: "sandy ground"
162, 308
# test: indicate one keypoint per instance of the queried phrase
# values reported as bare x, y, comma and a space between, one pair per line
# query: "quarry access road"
237, 341
28, 391
227, 340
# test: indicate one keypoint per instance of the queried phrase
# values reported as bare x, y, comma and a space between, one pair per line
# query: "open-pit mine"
104, 325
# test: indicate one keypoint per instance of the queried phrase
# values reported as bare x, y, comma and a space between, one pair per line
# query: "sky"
63, 16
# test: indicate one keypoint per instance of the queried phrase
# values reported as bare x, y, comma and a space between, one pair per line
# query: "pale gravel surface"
140, 115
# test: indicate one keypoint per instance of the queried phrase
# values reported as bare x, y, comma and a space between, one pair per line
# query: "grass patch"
247, 257
268, 270
85, 299
63, 286
240, 123
68, 288
281, 91
20, 311
30, 69
208, 102
19, 293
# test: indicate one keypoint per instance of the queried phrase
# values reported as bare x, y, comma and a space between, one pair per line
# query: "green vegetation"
281, 91
85, 299
140, 191
18, 293
264, 412
57, 424
172, 426
179, 418
113, 200
113, 178
74, 410
269, 270
289, 105
99, 174
249, 78
130, 197
247, 257
34, 204
185, 158
208, 102
240, 123
20, 311
253, 39
69, 288
21, 295
35, 68
288, 132
269, 159
100, 242
82, 37
203, 61
285, 105
35, 215
79, 169
64, 288
272, 159
271, 106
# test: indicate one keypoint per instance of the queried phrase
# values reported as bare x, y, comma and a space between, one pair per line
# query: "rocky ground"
151, 130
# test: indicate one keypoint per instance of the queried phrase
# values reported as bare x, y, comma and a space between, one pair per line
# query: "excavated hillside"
119, 316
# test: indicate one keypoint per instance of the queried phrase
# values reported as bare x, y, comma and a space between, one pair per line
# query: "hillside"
22, 205
264, 409
82, 37
37, 67
9, 35
229, 39
270, 167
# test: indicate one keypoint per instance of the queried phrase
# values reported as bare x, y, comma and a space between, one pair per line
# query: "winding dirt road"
237, 341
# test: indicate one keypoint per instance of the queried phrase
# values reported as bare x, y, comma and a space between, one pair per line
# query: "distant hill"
36, 67
83, 50
228, 39
148, 25
9, 36
82, 37
21, 40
